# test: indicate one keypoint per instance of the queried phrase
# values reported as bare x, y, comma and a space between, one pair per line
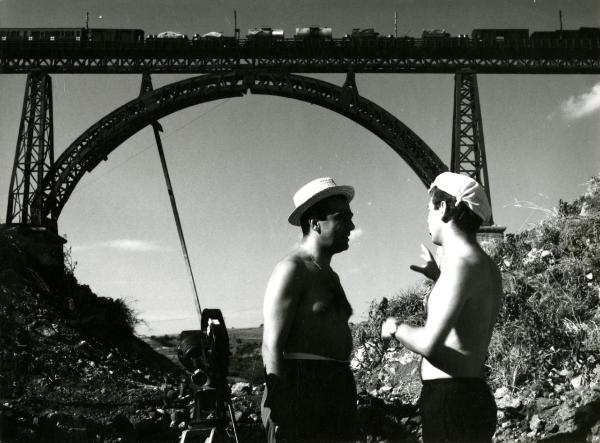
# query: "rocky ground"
563, 409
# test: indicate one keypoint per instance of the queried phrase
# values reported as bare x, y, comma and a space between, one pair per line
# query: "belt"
309, 356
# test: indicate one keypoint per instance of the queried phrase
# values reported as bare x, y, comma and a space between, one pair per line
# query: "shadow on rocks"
587, 424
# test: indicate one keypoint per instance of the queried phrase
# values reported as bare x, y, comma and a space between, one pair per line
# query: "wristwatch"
395, 330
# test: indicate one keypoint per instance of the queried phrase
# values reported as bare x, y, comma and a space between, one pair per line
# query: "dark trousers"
457, 410
320, 404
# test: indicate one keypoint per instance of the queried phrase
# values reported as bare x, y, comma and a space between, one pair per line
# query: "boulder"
240, 389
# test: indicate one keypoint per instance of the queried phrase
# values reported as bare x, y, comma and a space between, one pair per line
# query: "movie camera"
205, 354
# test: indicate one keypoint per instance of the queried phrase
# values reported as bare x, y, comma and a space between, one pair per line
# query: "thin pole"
156, 127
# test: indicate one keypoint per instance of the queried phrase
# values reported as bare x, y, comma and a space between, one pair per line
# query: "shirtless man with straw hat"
456, 402
310, 393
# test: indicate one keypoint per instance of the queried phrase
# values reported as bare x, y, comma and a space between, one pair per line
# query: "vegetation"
550, 322
407, 305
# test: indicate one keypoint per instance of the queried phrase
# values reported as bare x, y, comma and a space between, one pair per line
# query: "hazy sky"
236, 163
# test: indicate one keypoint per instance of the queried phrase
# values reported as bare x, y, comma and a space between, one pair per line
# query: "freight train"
584, 38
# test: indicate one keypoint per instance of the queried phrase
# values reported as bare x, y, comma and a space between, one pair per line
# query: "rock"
542, 404
536, 423
566, 373
501, 392
240, 389
576, 382
508, 402
121, 426
553, 428
170, 396
415, 420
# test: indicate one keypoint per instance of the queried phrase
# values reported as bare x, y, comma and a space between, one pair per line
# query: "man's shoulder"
291, 264
471, 269
468, 263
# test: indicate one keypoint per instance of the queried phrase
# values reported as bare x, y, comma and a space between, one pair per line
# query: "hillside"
71, 369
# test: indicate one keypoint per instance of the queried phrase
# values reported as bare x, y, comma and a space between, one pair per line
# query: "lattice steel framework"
468, 147
34, 155
292, 58
95, 144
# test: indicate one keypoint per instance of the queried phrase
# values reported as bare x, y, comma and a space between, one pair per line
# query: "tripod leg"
232, 416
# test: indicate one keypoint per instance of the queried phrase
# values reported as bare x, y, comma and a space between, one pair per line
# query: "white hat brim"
345, 191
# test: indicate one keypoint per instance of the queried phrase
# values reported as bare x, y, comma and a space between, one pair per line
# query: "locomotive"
71, 35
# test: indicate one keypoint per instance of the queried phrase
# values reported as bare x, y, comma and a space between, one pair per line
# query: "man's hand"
389, 327
430, 269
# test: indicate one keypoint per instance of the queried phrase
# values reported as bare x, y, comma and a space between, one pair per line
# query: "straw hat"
315, 191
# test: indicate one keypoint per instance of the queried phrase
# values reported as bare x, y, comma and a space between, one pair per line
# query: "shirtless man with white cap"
310, 393
456, 402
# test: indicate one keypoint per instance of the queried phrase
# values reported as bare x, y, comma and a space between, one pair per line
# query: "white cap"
466, 190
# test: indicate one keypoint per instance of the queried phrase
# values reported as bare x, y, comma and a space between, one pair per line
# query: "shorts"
457, 410
320, 403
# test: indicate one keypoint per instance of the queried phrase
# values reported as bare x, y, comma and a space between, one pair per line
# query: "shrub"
407, 305
551, 313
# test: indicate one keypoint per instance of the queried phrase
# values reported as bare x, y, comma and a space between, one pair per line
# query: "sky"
236, 163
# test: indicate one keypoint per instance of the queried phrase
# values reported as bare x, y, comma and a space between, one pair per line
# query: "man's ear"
314, 224
447, 214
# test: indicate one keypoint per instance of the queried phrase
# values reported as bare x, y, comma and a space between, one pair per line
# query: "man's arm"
281, 300
446, 301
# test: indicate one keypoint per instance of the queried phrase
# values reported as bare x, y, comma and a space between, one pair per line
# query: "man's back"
478, 280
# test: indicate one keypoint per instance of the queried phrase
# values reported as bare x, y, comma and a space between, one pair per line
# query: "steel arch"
95, 144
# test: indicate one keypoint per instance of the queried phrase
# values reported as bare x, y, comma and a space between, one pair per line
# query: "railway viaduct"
40, 185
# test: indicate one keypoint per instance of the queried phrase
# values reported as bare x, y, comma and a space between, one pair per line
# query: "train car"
362, 38
42, 34
313, 32
362, 33
213, 40
265, 33
434, 34
491, 36
435, 38
107, 35
582, 38
171, 35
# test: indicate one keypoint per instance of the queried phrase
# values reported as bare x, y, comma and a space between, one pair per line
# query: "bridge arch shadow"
97, 142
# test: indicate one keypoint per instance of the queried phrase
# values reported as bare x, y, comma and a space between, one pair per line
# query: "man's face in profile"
337, 223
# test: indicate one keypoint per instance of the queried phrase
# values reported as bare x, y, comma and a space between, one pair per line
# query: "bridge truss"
293, 58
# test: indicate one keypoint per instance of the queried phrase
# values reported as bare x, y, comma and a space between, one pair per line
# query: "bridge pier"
34, 155
490, 234
468, 146
41, 243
